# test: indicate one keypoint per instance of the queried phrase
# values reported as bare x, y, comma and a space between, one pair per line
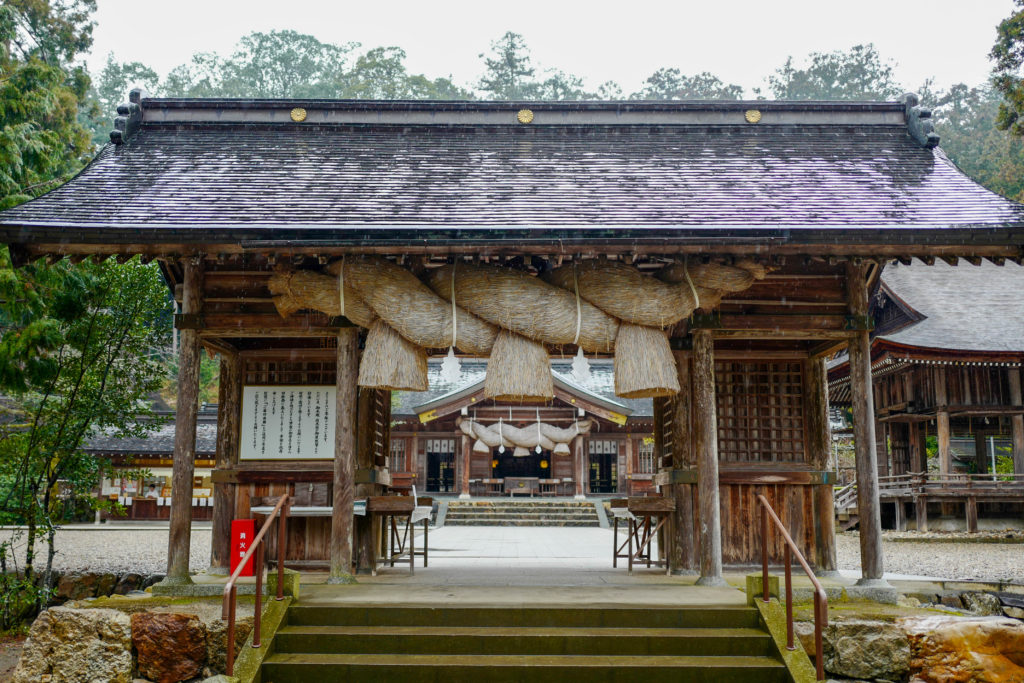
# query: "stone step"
518, 512
507, 521
505, 640
313, 614
307, 667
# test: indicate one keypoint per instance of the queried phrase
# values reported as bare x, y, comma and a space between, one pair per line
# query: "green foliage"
672, 84
91, 369
110, 88
1008, 54
509, 73
41, 140
381, 74
967, 120
859, 73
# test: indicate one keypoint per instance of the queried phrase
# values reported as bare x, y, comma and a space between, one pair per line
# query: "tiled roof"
601, 384
969, 308
251, 179
158, 443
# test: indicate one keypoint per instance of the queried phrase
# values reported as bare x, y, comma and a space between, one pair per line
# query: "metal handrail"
820, 599
230, 591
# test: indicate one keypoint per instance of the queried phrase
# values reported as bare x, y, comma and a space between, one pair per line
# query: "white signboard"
290, 422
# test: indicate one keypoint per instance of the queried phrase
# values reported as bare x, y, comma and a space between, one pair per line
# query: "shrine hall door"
441, 465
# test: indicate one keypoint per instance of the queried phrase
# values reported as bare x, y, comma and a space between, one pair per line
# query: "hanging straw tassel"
644, 365
519, 370
392, 362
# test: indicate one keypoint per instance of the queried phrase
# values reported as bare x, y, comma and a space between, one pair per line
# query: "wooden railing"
230, 591
820, 599
923, 482
846, 496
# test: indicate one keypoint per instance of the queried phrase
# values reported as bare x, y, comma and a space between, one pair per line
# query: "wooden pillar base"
921, 508
900, 518
971, 512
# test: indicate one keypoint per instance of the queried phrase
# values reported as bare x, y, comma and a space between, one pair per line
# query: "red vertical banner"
242, 533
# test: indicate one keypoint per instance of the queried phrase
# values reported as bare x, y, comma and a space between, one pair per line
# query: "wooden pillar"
819, 449
980, 451
467, 456
705, 441
579, 462
180, 537
628, 478
921, 509
900, 518
918, 455
942, 422
367, 435
683, 558
1016, 421
868, 505
346, 400
971, 512
228, 416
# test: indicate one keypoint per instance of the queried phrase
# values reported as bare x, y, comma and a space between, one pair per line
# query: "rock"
150, 580
82, 585
171, 647
71, 645
951, 600
861, 649
984, 604
968, 650
217, 640
127, 583
220, 678
1015, 612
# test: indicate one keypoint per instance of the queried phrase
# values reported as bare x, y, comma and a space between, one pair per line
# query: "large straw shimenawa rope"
547, 436
408, 305
598, 305
526, 305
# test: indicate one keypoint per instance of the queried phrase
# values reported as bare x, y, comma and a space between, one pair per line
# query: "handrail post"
230, 669
764, 554
819, 648
787, 559
258, 614
282, 535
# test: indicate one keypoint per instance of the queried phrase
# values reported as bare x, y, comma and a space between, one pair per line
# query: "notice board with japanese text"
287, 422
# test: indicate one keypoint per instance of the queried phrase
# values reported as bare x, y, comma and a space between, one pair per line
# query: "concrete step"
523, 514
312, 614
307, 667
469, 640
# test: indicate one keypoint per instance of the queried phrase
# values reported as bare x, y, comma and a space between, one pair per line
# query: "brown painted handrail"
820, 599
230, 592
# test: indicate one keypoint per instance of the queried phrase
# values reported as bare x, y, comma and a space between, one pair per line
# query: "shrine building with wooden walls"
946, 360
714, 253
609, 447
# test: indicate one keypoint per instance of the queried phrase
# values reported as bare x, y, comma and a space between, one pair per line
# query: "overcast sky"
741, 41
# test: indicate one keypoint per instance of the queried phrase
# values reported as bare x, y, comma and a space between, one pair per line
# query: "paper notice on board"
287, 423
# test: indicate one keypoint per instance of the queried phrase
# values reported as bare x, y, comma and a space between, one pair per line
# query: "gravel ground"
142, 550
960, 560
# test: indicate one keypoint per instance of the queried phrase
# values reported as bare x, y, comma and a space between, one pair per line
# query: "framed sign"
287, 423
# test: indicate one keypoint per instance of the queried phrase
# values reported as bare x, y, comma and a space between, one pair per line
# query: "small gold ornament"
752, 116
298, 114
524, 116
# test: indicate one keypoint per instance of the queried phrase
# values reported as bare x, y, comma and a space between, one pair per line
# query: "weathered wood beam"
869, 507
229, 402
466, 457
683, 558
1017, 421
179, 541
705, 440
942, 420
346, 401
819, 448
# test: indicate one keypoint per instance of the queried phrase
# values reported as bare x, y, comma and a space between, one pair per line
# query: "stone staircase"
383, 643
520, 512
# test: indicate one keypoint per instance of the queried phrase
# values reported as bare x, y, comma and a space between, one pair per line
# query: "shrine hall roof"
366, 172
600, 385
967, 308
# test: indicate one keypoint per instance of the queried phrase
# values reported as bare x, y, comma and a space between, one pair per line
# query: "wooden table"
514, 485
646, 516
402, 542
